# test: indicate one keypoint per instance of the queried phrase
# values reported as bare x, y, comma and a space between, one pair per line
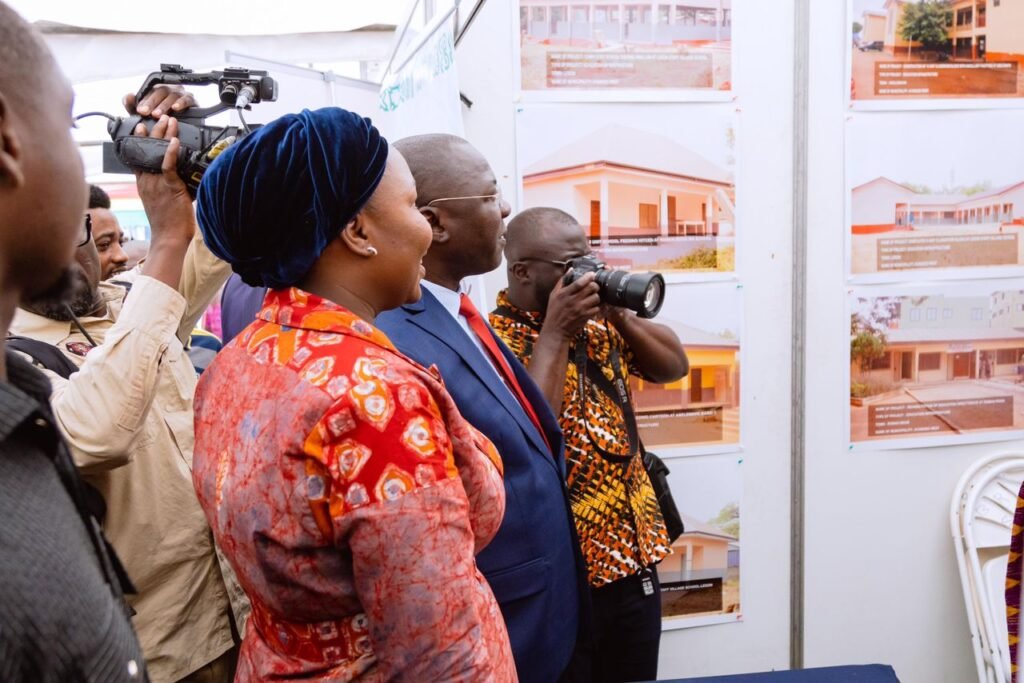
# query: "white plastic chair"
981, 521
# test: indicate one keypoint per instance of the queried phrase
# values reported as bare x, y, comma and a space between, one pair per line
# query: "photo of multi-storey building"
909, 49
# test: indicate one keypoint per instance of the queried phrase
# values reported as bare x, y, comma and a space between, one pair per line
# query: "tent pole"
469, 20
801, 105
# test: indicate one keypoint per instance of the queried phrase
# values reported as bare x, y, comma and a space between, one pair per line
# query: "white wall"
763, 78
882, 582
484, 60
876, 203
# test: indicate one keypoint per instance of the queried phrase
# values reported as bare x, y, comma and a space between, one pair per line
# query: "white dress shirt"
452, 301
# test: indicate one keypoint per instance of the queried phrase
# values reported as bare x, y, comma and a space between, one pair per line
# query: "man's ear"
356, 237
433, 217
11, 172
519, 271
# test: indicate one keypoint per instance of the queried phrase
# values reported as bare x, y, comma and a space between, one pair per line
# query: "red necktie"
483, 332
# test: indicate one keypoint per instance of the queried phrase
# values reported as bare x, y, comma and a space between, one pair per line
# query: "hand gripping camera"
643, 293
200, 143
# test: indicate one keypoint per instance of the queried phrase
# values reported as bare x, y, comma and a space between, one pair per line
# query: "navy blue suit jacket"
533, 565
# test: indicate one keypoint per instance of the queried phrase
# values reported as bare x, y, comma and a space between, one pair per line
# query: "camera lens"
643, 293
654, 297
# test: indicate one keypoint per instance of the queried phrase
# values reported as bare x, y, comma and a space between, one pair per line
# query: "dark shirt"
62, 617
239, 305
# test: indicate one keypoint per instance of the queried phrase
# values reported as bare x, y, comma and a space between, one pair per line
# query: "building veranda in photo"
645, 201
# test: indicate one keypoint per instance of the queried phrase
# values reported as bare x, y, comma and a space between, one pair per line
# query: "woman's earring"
372, 251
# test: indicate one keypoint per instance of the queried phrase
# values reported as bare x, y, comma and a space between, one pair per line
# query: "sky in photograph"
703, 485
703, 128
936, 148
863, 303
860, 5
709, 307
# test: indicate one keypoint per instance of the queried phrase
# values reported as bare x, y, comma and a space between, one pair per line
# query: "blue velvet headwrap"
273, 201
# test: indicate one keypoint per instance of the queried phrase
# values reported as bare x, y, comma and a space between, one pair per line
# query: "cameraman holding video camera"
581, 353
122, 387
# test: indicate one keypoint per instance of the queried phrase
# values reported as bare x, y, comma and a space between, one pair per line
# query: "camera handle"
142, 154
172, 77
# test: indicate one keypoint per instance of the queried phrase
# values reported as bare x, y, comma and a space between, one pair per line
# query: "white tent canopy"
97, 56
321, 53
219, 17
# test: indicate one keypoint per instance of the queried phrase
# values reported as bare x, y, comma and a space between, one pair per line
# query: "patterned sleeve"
514, 336
396, 503
628, 357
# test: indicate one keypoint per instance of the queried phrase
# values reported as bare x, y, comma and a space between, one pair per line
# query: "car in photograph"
873, 46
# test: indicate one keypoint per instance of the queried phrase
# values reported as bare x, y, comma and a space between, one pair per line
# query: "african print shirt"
350, 497
617, 516
1014, 577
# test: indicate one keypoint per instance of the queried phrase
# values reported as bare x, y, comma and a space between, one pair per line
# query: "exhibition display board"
934, 207
912, 266
627, 120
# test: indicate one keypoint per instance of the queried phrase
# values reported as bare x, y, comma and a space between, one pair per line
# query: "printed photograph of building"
986, 35
648, 196
701, 578
938, 364
922, 197
600, 45
703, 408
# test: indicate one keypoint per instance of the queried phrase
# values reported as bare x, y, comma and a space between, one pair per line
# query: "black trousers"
627, 630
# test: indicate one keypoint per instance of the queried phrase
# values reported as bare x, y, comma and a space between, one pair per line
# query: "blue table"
868, 673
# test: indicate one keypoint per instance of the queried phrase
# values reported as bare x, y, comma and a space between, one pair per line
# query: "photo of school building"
644, 200
942, 348
976, 31
701, 408
702, 575
885, 208
699, 28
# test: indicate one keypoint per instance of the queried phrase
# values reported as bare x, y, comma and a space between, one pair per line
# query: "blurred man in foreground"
62, 615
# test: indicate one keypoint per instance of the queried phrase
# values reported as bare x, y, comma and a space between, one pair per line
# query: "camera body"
200, 143
642, 293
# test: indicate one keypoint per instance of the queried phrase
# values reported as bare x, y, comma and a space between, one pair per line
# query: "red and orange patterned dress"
350, 497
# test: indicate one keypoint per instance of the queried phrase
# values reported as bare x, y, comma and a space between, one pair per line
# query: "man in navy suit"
533, 565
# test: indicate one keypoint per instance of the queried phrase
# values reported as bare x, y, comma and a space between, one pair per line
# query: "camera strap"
587, 371
616, 389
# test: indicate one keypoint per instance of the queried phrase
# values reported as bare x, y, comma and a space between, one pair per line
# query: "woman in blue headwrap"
339, 480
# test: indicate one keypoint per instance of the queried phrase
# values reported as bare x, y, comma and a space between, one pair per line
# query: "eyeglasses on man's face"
564, 265
85, 234
495, 196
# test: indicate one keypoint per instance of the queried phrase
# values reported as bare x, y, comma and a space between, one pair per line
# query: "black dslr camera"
643, 293
200, 143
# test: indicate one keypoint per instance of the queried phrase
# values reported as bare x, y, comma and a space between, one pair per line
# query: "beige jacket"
127, 415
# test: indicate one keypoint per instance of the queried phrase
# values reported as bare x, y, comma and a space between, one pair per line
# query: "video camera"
200, 144
643, 293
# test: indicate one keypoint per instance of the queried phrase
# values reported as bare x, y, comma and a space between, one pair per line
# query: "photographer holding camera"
580, 350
